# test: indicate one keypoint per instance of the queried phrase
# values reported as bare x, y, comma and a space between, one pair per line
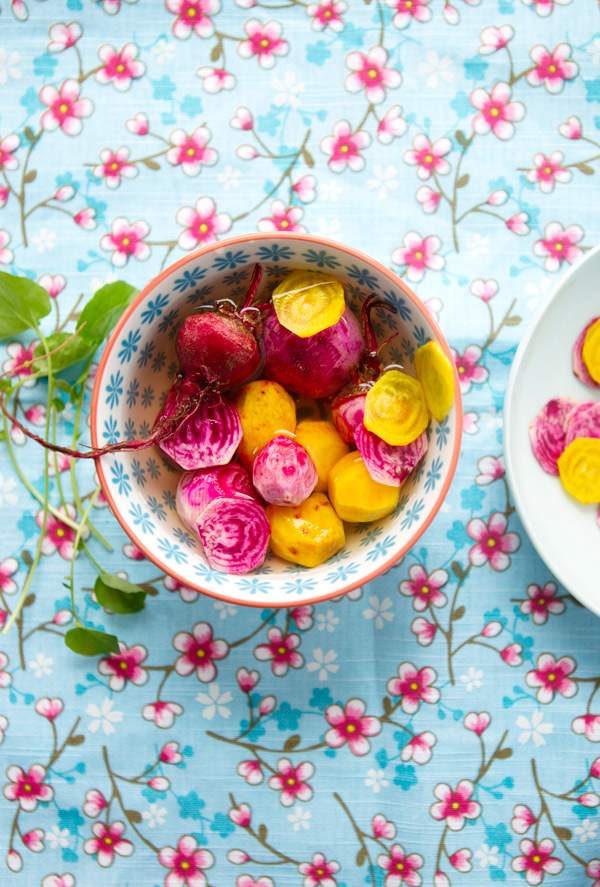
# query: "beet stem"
252, 287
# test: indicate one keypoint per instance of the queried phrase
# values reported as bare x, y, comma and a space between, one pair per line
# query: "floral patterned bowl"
136, 370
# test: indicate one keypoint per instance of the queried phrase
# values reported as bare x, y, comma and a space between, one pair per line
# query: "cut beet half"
548, 432
235, 535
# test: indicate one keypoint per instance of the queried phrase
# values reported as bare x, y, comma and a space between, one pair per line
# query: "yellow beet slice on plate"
307, 302
591, 351
579, 469
306, 534
325, 447
396, 409
434, 372
354, 494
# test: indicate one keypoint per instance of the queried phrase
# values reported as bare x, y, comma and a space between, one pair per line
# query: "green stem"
75, 546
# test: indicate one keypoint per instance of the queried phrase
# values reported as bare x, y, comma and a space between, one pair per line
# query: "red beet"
209, 437
219, 346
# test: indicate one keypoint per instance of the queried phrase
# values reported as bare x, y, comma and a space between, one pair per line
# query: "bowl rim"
358, 255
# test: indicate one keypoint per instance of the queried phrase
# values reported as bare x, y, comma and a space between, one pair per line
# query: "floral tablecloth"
440, 725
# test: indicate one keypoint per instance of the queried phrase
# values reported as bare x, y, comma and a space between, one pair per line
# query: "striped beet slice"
385, 463
209, 437
579, 367
197, 489
235, 535
548, 430
583, 421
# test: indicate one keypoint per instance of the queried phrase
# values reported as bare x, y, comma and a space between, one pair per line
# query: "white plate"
565, 533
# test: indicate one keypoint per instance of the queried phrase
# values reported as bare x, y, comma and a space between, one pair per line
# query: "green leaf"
262, 832
463, 180
88, 642
504, 753
215, 53
457, 570
22, 304
77, 739
291, 742
119, 601
461, 138
515, 320
29, 134
73, 351
361, 857
26, 557
133, 816
308, 158
151, 164
563, 833
458, 614
29, 600
31, 176
585, 168
104, 309
58, 404
112, 581
387, 705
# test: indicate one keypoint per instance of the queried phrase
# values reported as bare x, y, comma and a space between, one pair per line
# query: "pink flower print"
4, 192
159, 783
132, 551
66, 880
170, 754
548, 170
595, 769
542, 602
327, 14
571, 129
65, 108
6, 255
282, 219
522, 819
125, 666
264, 41
186, 593
558, 245
589, 799
54, 284
493, 542
215, 79
241, 815
536, 861
138, 125
551, 676
406, 10
86, 218
518, 223
248, 880
251, 771
62, 617
593, 871
319, 872
428, 157
434, 306
419, 254
126, 240
451, 14
95, 803
62, 462
400, 867
305, 188
545, 7
369, 72
428, 198
14, 860
344, 147
36, 414
266, 705
413, 686
119, 68
8, 568
58, 535
424, 631
303, 617
552, 68
242, 119
484, 289
114, 166
246, 152
5, 676
27, 788
291, 782
247, 680
419, 748
202, 223
8, 145
63, 36
106, 842
49, 708
33, 840
477, 722
461, 860
491, 629
497, 197
349, 724
587, 725
281, 650
237, 857
470, 372
491, 468
162, 713
512, 654
493, 39
192, 15
455, 805
190, 151
391, 126
424, 589
199, 651
382, 828
496, 111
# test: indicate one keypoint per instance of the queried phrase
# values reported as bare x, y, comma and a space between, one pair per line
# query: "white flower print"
487, 855
376, 780
300, 819
329, 228
214, 701
6, 491
58, 837
41, 665
533, 728
327, 621
330, 191
593, 49
383, 181
587, 830
163, 51
45, 240
436, 69
325, 662
287, 90
478, 245
8, 65
229, 178
225, 609
379, 611
103, 716
492, 418
536, 291
154, 815
472, 679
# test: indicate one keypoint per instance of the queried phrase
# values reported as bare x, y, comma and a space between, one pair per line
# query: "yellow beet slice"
434, 372
307, 302
325, 447
264, 408
579, 469
396, 409
354, 494
306, 534
591, 351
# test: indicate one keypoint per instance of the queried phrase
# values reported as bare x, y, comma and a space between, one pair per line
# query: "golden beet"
307, 302
591, 351
354, 494
395, 409
579, 469
434, 372
325, 447
306, 534
265, 408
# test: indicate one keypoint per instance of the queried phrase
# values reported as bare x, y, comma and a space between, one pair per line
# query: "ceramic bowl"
136, 370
